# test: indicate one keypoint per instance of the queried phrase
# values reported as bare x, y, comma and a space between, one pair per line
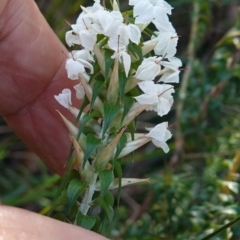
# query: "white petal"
143, 11
167, 43
126, 62
88, 40
64, 98
74, 68
134, 33
162, 145
148, 87
147, 99
148, 69
174, 63
72, 38
160, 134
170, 77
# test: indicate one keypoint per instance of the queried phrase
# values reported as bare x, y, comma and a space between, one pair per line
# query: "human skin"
31, 72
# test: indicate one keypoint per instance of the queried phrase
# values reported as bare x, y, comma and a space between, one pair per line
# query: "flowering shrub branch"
118, 79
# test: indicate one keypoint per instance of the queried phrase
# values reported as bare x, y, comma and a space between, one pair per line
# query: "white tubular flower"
80, 93
167, 39
83, 33
117, 44
147, 10
149, 69
160, 134
72, 38
105, 22
131, 31
171, 70
78, 61
167, 43
158, 96
64, 98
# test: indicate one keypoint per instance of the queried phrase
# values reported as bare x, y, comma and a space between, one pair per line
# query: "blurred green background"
195, 188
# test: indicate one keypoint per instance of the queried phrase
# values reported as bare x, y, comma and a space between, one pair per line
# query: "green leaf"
105, 178
108, 198
70, 174
118, 170
83, 105
85, 221
110, 112
96, 89
105, 227
86, 118
108, 210
75, 188
131, 128
122, 83
60, 200
108, 62
135, 50
127, 104
91, 144
121, 144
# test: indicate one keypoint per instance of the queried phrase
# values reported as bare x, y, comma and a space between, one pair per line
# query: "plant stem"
87, 199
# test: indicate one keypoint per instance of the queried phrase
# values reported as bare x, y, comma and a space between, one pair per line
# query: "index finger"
32, 71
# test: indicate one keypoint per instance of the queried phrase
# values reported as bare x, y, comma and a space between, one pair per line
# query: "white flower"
171, 70
167, 43
147, 10
78, 61
129, 31
118, 45
82, 33
167, 39
160, 134
149, 69
72, 38
79, 91
64, 98
158, 96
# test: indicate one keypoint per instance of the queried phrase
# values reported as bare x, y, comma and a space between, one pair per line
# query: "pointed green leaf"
127, 104
83, 105
75, 188
131, 128
70, 174
108, 62
91, 144
85, 221
108, 198
108, 210
96, 89
110, 112
136, 50
86, 119
118, 171
105, 227
122, 83
105, 178
60, 200
121, 144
